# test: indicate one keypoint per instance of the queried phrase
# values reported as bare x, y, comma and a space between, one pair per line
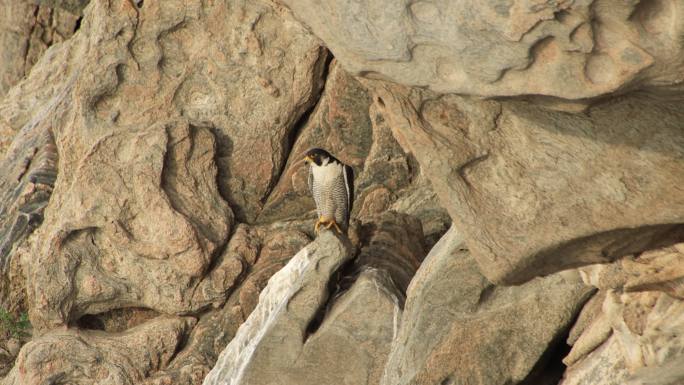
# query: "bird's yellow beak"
308, 159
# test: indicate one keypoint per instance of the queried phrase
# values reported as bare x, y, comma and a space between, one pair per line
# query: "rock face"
348, 124
155, 212
479, 333
27, 177
287, 306
26, 31
634, 334
96, 357
105, 238
317, 301
537, 191
263, 251
565, 49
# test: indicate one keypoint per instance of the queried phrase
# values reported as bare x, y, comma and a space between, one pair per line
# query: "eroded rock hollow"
518, 211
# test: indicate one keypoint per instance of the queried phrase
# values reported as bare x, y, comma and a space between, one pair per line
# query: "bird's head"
317, 156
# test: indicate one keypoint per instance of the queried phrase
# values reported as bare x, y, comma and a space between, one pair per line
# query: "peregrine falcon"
332, 185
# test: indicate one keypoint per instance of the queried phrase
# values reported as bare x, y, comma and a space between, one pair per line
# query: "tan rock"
352, 343
73, 6
275, 332
564, 49
346, 123
317, 302
26, 31
340, 124
535, 191
659, 270
635, 338
88, 357
604, 366
129, 234
457, 328
392, 243
264, 251
151, 132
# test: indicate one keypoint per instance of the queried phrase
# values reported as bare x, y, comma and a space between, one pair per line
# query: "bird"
331, 183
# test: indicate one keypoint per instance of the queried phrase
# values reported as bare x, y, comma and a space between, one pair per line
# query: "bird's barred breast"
329, 191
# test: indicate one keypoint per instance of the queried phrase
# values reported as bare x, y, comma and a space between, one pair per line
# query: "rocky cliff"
519, 192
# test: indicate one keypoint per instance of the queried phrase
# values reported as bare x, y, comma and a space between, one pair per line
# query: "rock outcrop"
536, 191
633, 333
27, 177
322, 299
156, 223
563, 49
27, 29
268, 344
478, 333
99, 358
348, 124
263, 252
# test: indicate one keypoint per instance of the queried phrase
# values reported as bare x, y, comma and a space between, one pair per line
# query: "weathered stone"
275, 332
654, 270
563, 49
645, 338
635, 337
73, 6
392, 243
421, 201
265, 251
605, 366
26, 31
352, 343
536, 191
340, 124
164, 113
670, 373
27, 177
346, 123
255, 82
119, 250
360, 315
250, 87
136, 218
72, 356
457, 327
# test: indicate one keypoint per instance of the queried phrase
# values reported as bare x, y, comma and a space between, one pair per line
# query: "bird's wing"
313, 193
349, 184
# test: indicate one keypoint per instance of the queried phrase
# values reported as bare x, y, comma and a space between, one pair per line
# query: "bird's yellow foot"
332, 223
319, 222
